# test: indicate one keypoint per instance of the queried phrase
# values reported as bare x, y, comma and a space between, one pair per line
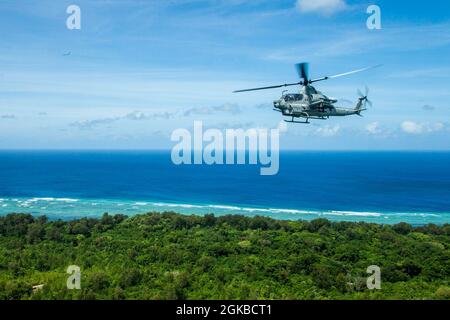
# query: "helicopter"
310, 103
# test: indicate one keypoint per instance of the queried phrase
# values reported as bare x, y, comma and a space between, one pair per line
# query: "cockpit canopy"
292, 97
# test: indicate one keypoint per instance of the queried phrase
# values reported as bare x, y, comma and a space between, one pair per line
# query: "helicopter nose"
276, 104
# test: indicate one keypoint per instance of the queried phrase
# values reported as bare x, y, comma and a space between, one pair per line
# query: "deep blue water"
372, 186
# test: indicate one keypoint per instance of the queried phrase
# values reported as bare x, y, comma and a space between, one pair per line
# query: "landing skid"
293, 121
307, 120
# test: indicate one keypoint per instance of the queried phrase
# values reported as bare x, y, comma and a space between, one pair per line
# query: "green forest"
173, 256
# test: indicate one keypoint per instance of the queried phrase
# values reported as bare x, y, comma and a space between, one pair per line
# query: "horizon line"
169, 150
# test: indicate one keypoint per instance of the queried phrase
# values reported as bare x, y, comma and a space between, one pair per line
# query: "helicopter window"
293, 97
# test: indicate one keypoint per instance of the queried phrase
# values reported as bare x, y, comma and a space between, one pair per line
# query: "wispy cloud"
373, 127
420, 73
238, 125
225, 108
376, 129
428, 107
138, 115
327, 131
325, 7
352, 40
8, 116
134, 116
89, 124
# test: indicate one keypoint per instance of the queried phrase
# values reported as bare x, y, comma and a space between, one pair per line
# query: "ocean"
380, 187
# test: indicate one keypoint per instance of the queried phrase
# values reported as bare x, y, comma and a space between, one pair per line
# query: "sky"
137, 70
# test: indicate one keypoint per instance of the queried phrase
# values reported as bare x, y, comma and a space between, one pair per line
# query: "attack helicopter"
310, 103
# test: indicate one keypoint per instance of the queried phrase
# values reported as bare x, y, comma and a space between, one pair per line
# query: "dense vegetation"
171, 256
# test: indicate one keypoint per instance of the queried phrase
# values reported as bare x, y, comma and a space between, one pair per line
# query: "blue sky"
138, 69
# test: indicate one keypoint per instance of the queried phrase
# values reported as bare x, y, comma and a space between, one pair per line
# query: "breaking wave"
61, 207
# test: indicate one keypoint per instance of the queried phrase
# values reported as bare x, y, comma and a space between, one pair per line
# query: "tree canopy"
173, 256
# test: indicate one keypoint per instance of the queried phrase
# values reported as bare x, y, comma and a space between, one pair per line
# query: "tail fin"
360, 105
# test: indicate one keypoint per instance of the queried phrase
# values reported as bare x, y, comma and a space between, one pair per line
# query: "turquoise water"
67, 208
382, 187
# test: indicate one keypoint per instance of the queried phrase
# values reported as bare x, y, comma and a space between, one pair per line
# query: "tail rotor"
363, 97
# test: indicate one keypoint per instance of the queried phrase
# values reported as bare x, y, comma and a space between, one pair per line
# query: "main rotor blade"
354, 71
271, 87
359, 92
366, 92
303, 71
345, 73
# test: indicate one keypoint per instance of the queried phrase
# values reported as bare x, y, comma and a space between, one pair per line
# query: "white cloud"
328, 131
373, 128
326, 7
412, 127
377, 129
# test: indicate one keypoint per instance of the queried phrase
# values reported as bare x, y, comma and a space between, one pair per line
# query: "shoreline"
73, 209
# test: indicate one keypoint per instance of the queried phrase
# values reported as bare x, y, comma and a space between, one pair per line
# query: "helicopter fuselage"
311, 104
